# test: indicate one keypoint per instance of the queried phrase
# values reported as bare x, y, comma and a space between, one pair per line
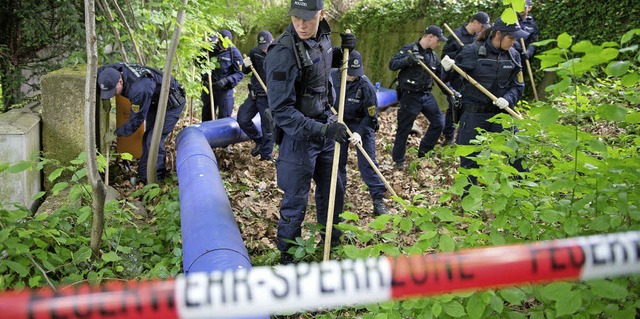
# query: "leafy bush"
52, 248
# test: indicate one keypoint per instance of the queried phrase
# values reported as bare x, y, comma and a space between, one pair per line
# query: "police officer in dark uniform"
529, 25
361, 117
415, 85
257, 101
298, 67
142, 86
224, 78
467, 34
493, 63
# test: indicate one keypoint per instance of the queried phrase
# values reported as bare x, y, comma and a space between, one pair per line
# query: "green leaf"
454, 309
352, 251
475, 306
556, 291
564, 41
513, 296
618, 68
58, 187
446, 243
19, 167
349, 216
609, 290
19, 268
629, 35
568, 305
497, 304
630, 79
110, 257
509, 16
444, 213
380, 222
83, 254
55, 174
612, 112
436, 309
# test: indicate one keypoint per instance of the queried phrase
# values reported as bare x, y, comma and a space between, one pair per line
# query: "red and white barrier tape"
301, 287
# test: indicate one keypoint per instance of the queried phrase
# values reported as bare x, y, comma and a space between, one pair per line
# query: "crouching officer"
415, 87
142, 86
298, 70
257, 102
361, 117
495, 64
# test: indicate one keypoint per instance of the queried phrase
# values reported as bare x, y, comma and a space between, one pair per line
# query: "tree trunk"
97, 186
164, 95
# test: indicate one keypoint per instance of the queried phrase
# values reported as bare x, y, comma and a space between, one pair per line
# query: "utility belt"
177, 96
421, 90
481, 109
254, 93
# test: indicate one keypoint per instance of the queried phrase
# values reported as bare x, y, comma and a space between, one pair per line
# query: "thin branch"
44, 273
104, 6
130, 31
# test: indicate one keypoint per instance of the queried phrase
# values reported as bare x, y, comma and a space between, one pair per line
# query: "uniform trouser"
171, 118
469, 123
246, 112
299, 162
412, 104
449, 128
368, 174
223, 103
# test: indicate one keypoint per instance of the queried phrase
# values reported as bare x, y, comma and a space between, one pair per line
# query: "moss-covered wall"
63, 101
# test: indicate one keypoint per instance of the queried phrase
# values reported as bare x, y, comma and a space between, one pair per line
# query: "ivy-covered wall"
383, 26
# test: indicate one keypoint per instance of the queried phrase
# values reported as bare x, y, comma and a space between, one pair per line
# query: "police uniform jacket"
257, 57
360, 103
412, 77
452, 47
497, 70
299, 81
230, 66
529, 25
142, 86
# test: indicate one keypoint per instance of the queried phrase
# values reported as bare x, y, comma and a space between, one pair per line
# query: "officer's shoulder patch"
135, 107
371, 110
520, 77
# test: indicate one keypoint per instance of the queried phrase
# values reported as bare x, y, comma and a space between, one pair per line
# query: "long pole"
336, 157
484, 90
433, 75
370, 161
454, 35
253, 70
533, 83
212, 106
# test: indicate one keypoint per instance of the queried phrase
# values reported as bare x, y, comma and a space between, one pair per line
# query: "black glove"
348, 41
337, 132
455, 99
221, 84
524, 56
411, 58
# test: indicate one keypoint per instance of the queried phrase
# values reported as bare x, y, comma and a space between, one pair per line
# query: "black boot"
286, 258
256, 149
379, 208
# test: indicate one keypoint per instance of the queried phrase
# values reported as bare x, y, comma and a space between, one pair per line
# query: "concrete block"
19, 141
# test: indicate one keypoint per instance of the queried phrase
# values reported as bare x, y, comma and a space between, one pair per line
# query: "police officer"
224, 78
466, 33
257, 101
298, 67
529, 25
142, 86
414, 84
361, 117
493, 63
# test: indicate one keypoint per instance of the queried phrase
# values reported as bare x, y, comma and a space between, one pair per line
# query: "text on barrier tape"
269, 290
